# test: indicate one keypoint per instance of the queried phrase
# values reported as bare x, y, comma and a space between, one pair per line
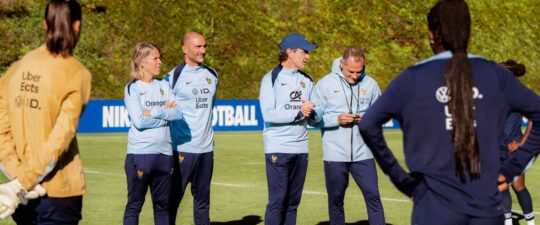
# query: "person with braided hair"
512, 139
451, 108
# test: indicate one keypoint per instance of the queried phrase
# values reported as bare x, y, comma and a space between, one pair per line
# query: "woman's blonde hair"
141, 51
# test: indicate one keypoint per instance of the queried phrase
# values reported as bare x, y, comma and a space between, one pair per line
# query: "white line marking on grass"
384, 199
90, 171
228, 184
314, 193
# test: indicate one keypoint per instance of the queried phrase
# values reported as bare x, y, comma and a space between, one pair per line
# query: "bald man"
194, 85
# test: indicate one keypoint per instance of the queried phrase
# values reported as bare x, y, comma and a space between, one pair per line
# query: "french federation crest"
161, 91
274, 158
363, 91
140, 173
181, 158
209, 80
302, 84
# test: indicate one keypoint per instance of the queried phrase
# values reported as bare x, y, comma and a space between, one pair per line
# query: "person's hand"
11, 195
307, 108
502, 184
346, 118
512, 147
36, 192
170, 104
147, 113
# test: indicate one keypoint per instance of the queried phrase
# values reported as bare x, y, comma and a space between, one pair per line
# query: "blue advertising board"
104, 116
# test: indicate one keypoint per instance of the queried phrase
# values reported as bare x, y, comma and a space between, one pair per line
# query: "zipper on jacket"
352, 127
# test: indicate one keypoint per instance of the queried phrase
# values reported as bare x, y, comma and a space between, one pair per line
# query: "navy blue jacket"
418, 99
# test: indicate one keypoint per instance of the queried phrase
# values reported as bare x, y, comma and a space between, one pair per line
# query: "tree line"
243, 36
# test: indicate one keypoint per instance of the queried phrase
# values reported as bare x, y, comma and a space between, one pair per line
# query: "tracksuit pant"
142, 171
50, 211
196, 169
428, 210
285, 175
337, 179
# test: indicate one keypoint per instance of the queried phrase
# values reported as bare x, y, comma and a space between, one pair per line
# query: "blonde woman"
149, 162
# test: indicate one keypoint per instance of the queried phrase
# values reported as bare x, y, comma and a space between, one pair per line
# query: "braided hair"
451, 21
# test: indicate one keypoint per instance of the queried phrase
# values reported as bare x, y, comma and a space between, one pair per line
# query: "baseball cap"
296, 40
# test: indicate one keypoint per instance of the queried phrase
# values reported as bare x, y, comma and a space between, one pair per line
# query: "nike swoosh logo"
282, 84
142, 93
189, 82
336, 91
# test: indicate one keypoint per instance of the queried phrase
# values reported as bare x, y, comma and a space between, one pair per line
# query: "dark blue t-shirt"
418, 98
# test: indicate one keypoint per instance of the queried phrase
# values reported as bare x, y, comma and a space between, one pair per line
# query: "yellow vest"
41, 101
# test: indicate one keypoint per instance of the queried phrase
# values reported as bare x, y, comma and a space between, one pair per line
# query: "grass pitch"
239, 193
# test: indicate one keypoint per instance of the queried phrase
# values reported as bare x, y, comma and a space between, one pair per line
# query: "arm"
527, 132
62, 132
376, 92
388, 106
135, 111
9, 161
526, 102
267, 100
169, 114
325, 119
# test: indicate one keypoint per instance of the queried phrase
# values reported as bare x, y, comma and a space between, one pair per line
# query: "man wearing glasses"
286, 108
341, 98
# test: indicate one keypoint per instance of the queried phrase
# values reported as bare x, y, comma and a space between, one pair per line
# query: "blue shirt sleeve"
319, 98
389, 105
168, 114
135, 110
267, 100
527, 103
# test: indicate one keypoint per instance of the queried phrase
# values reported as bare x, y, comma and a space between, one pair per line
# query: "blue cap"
296, 40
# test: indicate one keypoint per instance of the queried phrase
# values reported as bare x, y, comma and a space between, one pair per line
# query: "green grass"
239, 190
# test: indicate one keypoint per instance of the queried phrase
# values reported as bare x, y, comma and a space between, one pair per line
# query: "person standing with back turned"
194, 85
452, 108
286, 108
42, 97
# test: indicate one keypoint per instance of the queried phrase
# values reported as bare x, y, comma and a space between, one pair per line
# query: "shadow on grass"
247, 220
360, 222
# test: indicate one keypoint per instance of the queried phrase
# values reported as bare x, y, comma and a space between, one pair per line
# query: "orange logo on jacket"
302, 84
181, 158
209, 80
364, 91
161, 91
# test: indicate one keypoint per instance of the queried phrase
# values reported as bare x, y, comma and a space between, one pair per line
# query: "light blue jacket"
284, 126
150, 135
195, 92
332, 97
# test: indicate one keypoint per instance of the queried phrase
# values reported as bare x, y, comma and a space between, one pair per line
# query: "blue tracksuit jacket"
150, 135
418, 99
280, 101
332, 97
195, 90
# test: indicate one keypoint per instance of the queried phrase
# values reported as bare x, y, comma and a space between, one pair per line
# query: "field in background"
239, 192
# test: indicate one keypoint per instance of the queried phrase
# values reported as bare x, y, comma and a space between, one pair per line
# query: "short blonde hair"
141, 51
